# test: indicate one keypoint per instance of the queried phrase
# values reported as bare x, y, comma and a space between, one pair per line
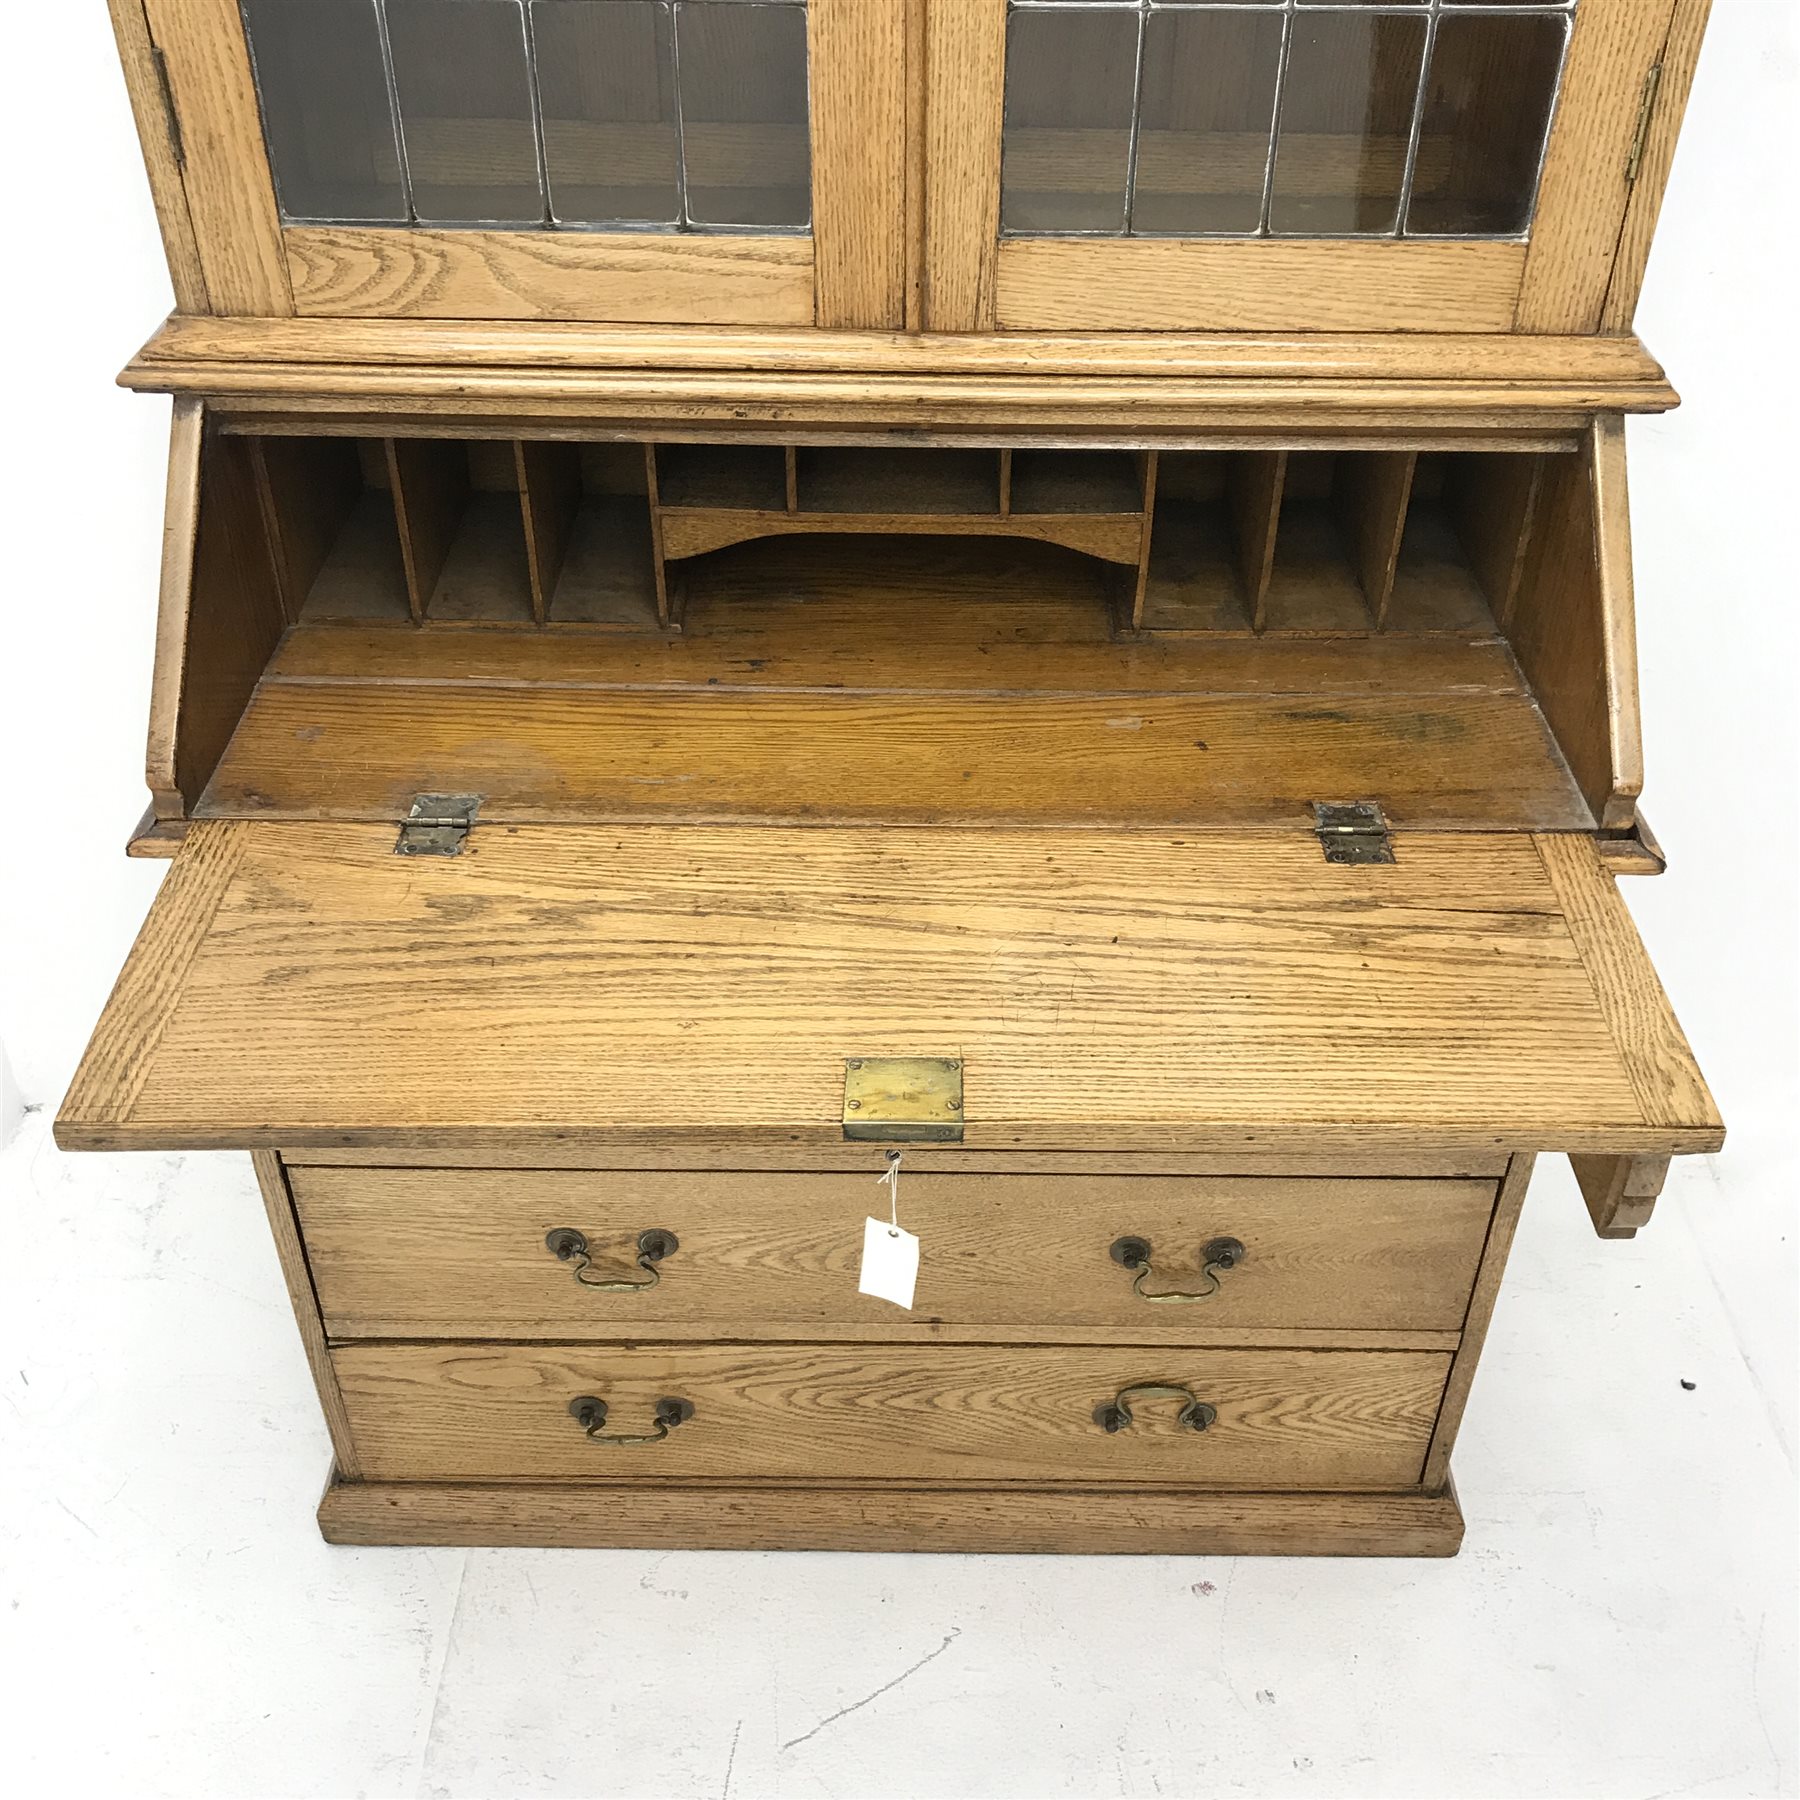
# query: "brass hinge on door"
1646, 111
173, 118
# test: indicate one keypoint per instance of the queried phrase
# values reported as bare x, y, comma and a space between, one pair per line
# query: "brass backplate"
903, 1099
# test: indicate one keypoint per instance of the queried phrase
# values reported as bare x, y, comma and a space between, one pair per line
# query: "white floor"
1621, 1621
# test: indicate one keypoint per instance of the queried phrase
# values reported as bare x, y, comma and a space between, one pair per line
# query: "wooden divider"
430, 482
564, 534
307, 488
549, 494
1148, 461
1254, 482
1371, 491
658, 560
1493, 499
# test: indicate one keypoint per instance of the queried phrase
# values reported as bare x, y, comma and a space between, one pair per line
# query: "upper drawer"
464, 1252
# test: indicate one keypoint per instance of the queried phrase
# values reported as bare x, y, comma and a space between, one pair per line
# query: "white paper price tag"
890, 1263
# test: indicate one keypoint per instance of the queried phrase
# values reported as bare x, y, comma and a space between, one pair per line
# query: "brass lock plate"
903, 1099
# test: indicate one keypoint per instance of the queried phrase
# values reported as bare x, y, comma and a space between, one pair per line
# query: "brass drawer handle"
570, 1246
1115, 1414
1216, 1255
589, 1412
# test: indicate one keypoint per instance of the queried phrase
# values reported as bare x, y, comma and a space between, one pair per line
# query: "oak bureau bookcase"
1044, 587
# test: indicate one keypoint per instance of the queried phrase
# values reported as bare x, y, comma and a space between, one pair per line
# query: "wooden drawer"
462, 1252
1283, 1418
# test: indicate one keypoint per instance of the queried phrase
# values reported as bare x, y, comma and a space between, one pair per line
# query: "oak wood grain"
1620, 1192
1583, 366
1571, 623
1584, 190
702, 279
1482, 1299
461, 1253
361, 752
1131, 1521
1303, 1419
856, 59
123, 1048
1260, 284
174, 602
220, 609
1372, 494
694, 531
1108, 991
230, 196
162, 155
1655, 1054
938, 1159
297, 1277
964, 75
1678, 58
738, 635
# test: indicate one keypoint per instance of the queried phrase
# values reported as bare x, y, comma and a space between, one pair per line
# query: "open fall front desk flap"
299, 984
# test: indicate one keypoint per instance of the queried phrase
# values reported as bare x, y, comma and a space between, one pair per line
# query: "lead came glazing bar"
1279, 118
328, 114
671, 115
466, 110
606, 84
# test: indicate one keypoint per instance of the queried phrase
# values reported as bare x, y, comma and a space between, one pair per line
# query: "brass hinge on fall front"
1352, 832
1634, 161
437, 824
903, 1099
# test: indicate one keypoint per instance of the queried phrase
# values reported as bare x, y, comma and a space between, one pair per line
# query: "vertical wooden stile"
1370, 492
917, 101
791, 464
1147, 468
430, 480
1493, 503
549, 496
1006, 482
1253, 485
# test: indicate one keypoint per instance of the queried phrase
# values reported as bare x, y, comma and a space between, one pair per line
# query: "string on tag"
890, 1178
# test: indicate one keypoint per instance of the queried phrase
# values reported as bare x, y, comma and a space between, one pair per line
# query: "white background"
1622, 1619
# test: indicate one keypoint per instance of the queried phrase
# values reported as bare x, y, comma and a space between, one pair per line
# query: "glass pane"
1071, 77
1488, 97
606, 81
742, 74
1346, 120
1203, 136
465, 110
326, 116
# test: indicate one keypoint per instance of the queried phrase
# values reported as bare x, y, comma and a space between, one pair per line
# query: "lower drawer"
462, 1253
1271, 1418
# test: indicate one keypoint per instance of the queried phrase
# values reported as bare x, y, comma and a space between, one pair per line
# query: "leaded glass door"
688, 161
1427, 165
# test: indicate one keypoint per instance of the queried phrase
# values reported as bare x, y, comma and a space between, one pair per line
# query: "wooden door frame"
1555, 282
216, 199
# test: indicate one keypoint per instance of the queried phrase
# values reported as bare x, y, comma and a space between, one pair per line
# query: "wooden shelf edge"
1146, 381
1029, 1521
155, 839
89, 1132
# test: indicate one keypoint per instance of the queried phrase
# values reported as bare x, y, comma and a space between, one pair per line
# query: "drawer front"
1271, 1418
463, 1252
